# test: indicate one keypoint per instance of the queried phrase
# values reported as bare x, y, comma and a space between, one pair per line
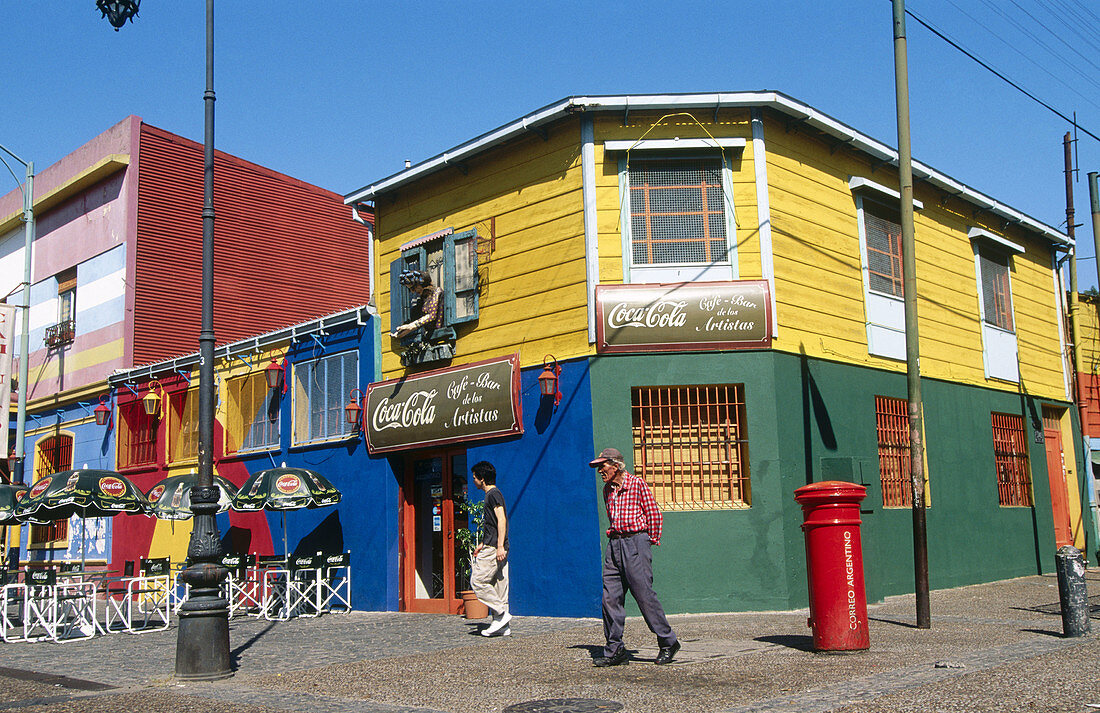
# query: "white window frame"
885, 314
1000, 348
676, 149
302, 431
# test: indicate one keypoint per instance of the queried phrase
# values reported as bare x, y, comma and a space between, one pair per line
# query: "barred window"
677, 212
1010, 454
184, 425
883, 230
892, 417
996, 289
253, 414
53, 454
690, 445
321, 391
137, 435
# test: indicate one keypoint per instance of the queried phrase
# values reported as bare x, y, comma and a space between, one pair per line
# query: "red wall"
284, 251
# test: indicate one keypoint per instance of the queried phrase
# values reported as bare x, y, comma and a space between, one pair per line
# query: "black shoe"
617, 658
667, 652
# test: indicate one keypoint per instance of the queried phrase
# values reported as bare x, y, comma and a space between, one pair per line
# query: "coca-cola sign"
459, 404
683, 317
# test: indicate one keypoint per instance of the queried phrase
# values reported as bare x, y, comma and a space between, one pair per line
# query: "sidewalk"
994, 647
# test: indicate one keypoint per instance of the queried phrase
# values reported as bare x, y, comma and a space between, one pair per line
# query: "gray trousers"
628, 565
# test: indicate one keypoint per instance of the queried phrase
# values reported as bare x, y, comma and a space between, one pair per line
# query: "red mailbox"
834, 564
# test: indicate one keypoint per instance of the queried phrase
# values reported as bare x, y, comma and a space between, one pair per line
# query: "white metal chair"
51, 610
292, 590
142, 603
14, 596
334, 584
242, 588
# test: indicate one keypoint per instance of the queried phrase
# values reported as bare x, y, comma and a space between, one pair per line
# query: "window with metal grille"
882, 228
677, 212
1010, 454
996, 289
53, 454
690, 446
892, 418
137, 435
183, 425
253, 414
321, 390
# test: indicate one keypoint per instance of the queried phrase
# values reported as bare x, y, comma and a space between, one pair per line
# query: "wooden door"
431, 567
1056, 476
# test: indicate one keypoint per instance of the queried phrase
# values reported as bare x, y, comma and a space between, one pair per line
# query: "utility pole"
912, 341
1074, 326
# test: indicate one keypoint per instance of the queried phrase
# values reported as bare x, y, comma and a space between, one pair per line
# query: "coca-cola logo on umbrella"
40, 487
155, 493
288, 484
112, 487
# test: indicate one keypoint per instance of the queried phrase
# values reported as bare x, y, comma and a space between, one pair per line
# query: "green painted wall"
812, 420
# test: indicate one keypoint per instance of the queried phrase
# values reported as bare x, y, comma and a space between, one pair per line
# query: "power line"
1008, 81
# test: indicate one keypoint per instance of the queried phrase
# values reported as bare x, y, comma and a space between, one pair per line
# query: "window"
690, 447
64, 332
183, 425
53, 454
321, 391
451, 259
996, 290
253, 414
1010, 454
137, 435
892, 417
676, 222
993, 270
883, 281
882, 225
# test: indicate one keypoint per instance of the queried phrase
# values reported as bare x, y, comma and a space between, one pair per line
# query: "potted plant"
466, 539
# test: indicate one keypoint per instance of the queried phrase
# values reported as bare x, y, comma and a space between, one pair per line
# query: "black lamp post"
202, 644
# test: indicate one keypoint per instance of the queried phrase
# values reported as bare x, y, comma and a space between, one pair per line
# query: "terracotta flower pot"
472, 607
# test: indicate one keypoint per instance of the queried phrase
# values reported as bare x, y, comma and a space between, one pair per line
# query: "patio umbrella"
285, 489
170, 499
84, 492
9, 495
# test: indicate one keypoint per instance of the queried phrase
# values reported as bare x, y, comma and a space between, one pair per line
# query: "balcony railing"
61, 333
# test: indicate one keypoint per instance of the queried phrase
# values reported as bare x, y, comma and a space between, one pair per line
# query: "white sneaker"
506, 632
497, 624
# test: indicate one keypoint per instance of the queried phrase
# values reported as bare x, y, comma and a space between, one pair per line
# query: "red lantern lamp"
354, 410
550, 378
274, 374
102, 412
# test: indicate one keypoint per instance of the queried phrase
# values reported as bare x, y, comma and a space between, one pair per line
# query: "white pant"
489, 579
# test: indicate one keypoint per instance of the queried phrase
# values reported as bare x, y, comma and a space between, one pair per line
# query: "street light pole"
25, 336
202, 643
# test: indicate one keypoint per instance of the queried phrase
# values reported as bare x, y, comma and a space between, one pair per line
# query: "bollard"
1071, 591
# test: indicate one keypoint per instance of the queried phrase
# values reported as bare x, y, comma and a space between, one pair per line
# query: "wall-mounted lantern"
151, 399
274, 375
549, 379
102, 412
354, 410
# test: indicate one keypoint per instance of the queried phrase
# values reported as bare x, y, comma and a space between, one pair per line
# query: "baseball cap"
605, 455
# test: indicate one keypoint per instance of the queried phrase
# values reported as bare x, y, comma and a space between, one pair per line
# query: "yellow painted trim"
82, 360
106, 166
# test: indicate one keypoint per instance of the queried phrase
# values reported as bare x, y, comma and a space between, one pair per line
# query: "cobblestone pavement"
995, 647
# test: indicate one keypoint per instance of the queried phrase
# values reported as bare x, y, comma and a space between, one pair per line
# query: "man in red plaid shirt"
634, 526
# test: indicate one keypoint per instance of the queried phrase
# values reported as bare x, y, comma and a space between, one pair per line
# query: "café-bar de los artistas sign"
463, 403
690, 316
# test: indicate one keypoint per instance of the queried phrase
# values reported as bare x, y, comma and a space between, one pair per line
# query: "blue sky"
340, 93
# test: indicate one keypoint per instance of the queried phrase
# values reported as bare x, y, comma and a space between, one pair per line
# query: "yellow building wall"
528, 195
533, 292
819, 287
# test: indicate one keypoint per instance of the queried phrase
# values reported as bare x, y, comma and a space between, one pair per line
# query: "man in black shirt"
489, 569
